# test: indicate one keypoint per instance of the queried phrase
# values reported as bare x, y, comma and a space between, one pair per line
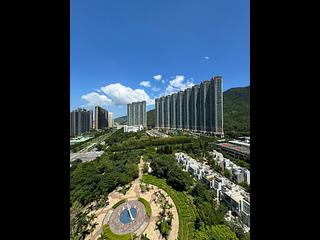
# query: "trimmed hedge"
146, 205
119, 203
185, 207
112, 236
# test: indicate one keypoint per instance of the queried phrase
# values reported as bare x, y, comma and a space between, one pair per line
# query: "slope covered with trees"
236, 113
121, 120
151, 118
151, 115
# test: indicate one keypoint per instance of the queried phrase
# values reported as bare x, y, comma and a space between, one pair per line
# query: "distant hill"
150, 118
121, 120
236, 113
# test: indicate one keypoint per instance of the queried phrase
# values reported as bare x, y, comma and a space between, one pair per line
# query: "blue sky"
131, 50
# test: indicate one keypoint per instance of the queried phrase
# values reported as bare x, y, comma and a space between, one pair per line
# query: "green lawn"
183, 204
146, 205
112, 236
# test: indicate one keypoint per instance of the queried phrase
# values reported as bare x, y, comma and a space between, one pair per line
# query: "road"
86, 154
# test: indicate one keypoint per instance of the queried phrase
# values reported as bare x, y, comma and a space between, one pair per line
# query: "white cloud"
207, 58
157, 77
155, 89
94, 99
178, 84
122, 95
145, 84
163, 81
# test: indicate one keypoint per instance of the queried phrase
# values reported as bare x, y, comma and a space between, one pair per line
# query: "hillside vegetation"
237, 110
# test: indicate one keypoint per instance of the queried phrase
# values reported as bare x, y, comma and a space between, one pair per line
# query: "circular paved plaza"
116, 221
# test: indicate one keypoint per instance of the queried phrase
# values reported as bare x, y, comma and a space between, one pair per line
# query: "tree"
162, 165
221, 232
227, 173
238, 230
245, 185
144, 237
164, 229
215, 232
200, 190
81, 222
178, 179
145, 168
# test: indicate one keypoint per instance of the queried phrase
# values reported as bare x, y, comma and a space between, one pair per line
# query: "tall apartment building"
173, 112
179, 109
195, 108
157, 106
110, 119
101, 118
199, 108
79, 121
137, 113
91, 119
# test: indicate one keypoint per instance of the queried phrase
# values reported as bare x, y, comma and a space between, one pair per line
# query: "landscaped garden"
184, 206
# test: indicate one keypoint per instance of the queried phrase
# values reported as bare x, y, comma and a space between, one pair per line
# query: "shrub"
146, 205
118, 203
108, 234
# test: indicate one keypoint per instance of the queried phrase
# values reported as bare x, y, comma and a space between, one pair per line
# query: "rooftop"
241, 149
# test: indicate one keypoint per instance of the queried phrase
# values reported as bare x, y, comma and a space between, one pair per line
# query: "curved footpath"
134, 192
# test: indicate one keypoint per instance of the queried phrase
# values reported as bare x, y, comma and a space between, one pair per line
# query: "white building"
110, 119
247, 176
234, 195
239, 174
127, 129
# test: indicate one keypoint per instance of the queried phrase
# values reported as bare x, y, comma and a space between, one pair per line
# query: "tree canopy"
215, 232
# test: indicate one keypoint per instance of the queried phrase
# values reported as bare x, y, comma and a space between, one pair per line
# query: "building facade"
135, 128
110, 119
79, 121
91, 119
137, 113
101, 118
199, 108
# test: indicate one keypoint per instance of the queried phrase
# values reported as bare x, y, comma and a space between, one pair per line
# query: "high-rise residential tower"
179, 109
157, 106
195, 108
79, 121
161, 111
101, 118
91, 119
110, 119
199, 108
186, 108
137, 113
173, 112
167, 112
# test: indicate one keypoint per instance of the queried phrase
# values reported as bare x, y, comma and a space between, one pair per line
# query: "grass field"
183, 204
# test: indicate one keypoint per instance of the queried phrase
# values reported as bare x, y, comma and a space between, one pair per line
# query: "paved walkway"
148, 227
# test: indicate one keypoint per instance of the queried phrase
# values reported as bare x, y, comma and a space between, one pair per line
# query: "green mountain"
236, 113
151, 118
121, 120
